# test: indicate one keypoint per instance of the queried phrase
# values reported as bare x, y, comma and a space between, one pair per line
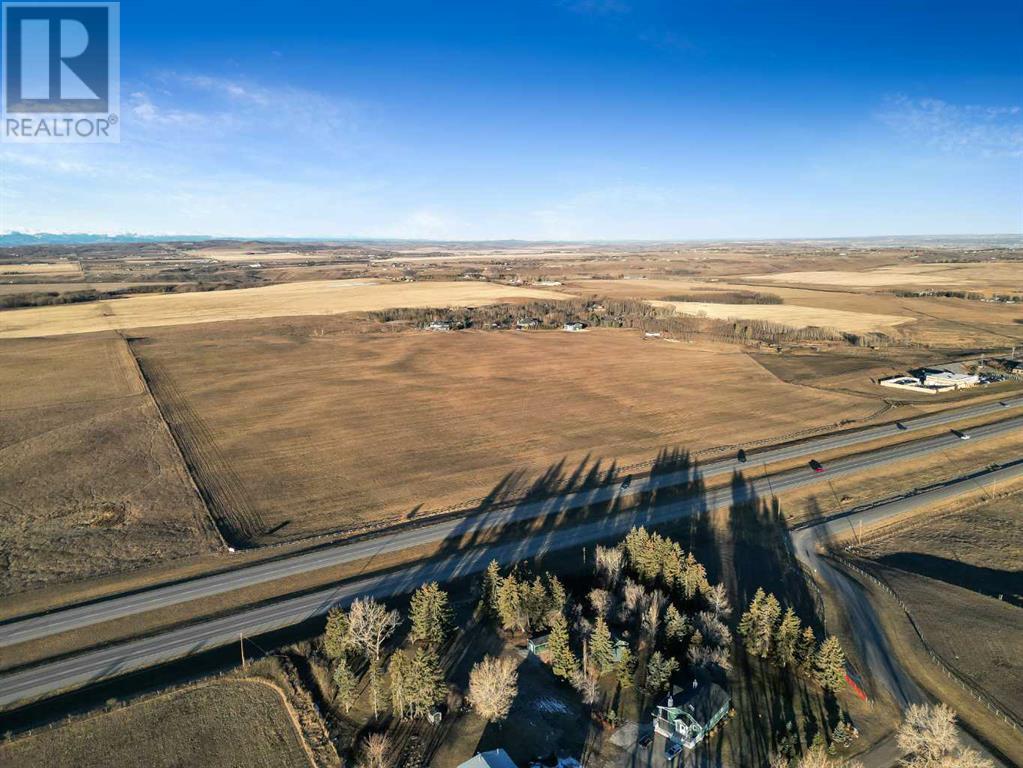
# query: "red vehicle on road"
816, 466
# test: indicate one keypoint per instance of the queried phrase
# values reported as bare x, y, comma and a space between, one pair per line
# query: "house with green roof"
687, 715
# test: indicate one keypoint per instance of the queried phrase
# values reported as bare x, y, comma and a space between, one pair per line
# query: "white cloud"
986, 130
143, 108
243, 92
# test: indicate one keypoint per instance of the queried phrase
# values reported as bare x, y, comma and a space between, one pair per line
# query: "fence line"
1000, 711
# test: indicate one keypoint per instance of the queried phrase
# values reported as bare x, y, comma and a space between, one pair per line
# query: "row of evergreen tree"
782, 639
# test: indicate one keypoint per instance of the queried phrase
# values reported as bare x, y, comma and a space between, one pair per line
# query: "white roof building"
949, 380
495, 758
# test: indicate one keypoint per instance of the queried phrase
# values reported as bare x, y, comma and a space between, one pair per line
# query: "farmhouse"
574, 327
529, 322
687, 715
439, 325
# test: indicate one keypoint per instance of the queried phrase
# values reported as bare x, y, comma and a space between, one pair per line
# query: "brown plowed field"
296, 431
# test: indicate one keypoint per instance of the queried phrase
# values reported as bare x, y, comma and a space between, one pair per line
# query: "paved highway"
465, 528
91, 666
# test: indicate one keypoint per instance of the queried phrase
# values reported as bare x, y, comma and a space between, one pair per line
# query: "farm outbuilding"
538, 644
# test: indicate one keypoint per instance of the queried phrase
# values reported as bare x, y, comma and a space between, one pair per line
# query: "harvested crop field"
946, 322
51, 268
790, 315
225, 724
291, 431
92, 483
9, 288
325, 297
981, 276
234, 254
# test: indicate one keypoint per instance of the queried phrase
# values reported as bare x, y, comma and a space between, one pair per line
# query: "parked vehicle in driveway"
671, 750
816, 466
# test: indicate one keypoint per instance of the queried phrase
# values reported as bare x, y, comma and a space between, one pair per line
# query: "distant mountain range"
8, 239
83, 238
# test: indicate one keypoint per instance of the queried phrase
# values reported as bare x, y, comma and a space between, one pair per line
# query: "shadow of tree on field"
1008, 585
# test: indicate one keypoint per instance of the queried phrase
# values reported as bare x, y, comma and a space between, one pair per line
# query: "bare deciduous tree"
652, 614
633, 597
493, 686
717, 599
610, 561
702, 656
600, 601
370, 624
713, 629
929, 734
375, 751
817, 757
588, 687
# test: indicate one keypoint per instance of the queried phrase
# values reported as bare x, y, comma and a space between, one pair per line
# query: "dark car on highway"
741, 456
900, 425
816, 466
626, 482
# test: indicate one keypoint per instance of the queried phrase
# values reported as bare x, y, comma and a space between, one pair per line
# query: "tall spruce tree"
625, 669
829, 664
563, 661
758, 623
806, 648
511, 608
491, 585
786, 638
430, 614
694, 577
659, 670
335, 636
768, 623
677, 626
428, 677
346, 681
399, 670
601, 648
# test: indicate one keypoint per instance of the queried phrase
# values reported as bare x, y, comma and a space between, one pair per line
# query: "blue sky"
548, 119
